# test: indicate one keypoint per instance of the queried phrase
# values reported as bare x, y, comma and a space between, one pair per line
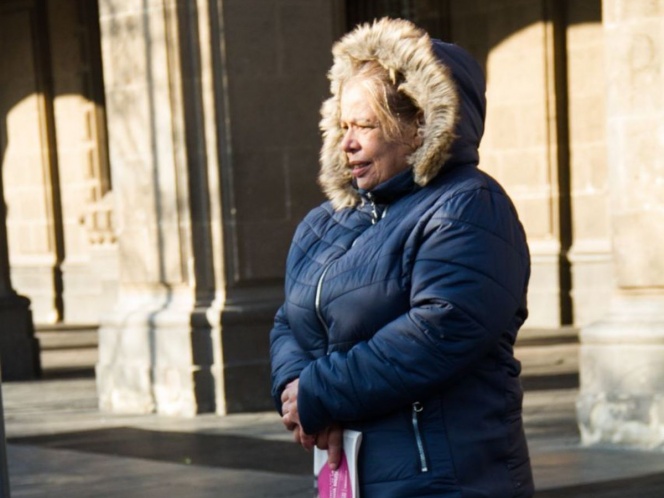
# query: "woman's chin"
365, 183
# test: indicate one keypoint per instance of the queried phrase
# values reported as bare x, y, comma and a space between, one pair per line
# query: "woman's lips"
359, 169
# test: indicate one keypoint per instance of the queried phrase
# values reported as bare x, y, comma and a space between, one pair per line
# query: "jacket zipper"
375, 217
317, 303
374, 211
417, 409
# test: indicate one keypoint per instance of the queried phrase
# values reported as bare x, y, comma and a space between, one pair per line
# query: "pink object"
335, 483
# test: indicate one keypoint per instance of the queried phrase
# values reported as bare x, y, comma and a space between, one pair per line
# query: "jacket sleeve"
288, 359
467, 287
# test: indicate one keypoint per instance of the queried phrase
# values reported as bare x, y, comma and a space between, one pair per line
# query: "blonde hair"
397, 114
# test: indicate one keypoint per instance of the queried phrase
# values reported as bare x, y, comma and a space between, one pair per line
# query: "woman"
405, 291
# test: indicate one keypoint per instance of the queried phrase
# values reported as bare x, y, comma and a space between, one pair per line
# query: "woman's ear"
418, 130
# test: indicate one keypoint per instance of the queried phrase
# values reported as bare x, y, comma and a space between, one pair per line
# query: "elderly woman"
405, 291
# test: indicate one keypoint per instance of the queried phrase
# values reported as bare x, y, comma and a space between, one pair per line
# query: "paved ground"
61, 446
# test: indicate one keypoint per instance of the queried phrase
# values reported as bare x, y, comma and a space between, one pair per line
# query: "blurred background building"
157, 155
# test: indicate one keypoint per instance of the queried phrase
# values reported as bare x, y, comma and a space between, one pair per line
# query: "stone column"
212, 114
622, 357
590, 254
159, 347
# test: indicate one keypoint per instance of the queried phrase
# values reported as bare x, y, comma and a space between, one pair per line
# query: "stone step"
549, 358
66, 336
57, 362
67, 350
543, 336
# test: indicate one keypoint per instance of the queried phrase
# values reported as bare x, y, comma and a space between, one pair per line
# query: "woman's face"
372, 158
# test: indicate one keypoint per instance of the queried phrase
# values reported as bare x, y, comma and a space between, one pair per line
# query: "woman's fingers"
291, 418
288, 421
305, 440
335, 439
331, 439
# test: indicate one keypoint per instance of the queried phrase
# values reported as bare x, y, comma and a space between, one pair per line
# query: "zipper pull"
374, 210
417, 409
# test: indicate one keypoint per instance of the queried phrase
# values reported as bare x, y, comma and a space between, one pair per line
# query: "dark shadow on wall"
5, 278
202, 343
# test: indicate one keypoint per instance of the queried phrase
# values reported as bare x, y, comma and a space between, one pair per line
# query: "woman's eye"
357, 126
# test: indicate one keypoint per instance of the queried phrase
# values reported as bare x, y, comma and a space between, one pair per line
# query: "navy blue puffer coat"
403, 303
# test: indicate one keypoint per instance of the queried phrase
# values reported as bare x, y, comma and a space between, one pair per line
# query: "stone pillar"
622, 357
159, 347
89, 271
276, 60
590, 254
212, 114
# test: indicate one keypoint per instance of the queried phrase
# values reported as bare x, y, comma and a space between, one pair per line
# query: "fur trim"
396, 44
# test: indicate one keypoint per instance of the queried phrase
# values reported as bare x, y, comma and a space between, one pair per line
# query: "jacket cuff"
313, 415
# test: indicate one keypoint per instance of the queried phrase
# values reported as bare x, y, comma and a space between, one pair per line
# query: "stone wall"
545, 142
622, 385
517, 43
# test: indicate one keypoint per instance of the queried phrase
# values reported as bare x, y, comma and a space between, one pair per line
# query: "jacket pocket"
389, 450
410, 443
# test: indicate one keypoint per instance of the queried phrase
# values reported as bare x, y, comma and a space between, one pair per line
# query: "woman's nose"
348, 143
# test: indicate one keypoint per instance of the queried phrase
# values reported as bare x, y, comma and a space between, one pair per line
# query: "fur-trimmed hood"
442, 79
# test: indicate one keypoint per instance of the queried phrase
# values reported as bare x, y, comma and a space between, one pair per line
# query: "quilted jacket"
403, 303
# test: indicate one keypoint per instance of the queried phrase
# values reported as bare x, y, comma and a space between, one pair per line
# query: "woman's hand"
291, 417
331, 439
